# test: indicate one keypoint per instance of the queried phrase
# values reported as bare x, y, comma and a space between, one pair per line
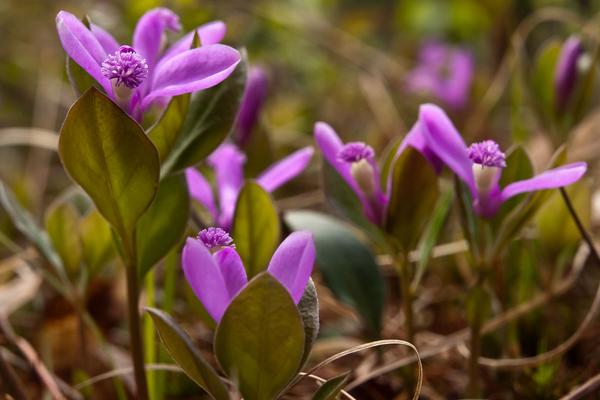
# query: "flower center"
125, 67
356, 151
487, 154
215, 238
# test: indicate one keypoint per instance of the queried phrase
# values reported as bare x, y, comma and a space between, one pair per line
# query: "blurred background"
353, 64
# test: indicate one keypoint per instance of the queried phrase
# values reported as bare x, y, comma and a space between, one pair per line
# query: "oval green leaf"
167, 129
164, 224
108, 154
62, 223
209, 120
259, 342
183, 352
332, 388
255, 228
414, 193
347, 265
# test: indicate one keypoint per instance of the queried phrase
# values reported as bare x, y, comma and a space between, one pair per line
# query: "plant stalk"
474, 387
407, 298
135, 337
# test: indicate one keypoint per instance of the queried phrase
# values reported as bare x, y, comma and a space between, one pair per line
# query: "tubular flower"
355, 163
252, 102
146, 73
565, 75
227, 162
480, 165
443, 71
216, 274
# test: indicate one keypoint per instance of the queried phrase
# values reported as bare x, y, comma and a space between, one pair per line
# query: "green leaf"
167, 129
332, 388
25, 224
108, 154
209, 120
542, 78
347, 265
431, 234
414, 193
185, 354
97, 242
255, 228
62, 223
343, 199
164, 224
259, 341
309, 312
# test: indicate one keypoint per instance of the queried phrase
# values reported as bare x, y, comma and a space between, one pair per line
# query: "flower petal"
205, 277
566, 70
200, 190
82, 46
454, 90
107, 41
232, 269
228, 164
150, 30
446, 143
254, 97
192, 70
293, 262
285, 169
551, 179
209, 33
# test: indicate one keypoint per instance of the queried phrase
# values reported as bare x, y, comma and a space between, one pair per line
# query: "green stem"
149, 336
475, 351
407, 306
135, 337
476, 322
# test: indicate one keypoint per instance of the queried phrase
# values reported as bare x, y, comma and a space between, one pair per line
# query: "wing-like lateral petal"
82, 46
200, 190
192, 71
446, 143
551, 179
293, 262
205, 278
285, 169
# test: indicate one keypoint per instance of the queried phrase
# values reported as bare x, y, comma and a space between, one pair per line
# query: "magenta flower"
565, 75
142, 74
480, 165
252, 102
227, 162
443, 71
216, 273
355, 163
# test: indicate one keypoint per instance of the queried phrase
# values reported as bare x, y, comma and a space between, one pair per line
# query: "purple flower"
252, 102
355, 163
565, 75
216, 273
227, 162
142, 74
443, 71
480, 165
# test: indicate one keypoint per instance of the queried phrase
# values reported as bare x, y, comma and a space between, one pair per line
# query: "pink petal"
191, 71
285, 169
200, 190
293, 262
551, 179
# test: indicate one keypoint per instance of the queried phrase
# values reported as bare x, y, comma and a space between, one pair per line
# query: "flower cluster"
145, 73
